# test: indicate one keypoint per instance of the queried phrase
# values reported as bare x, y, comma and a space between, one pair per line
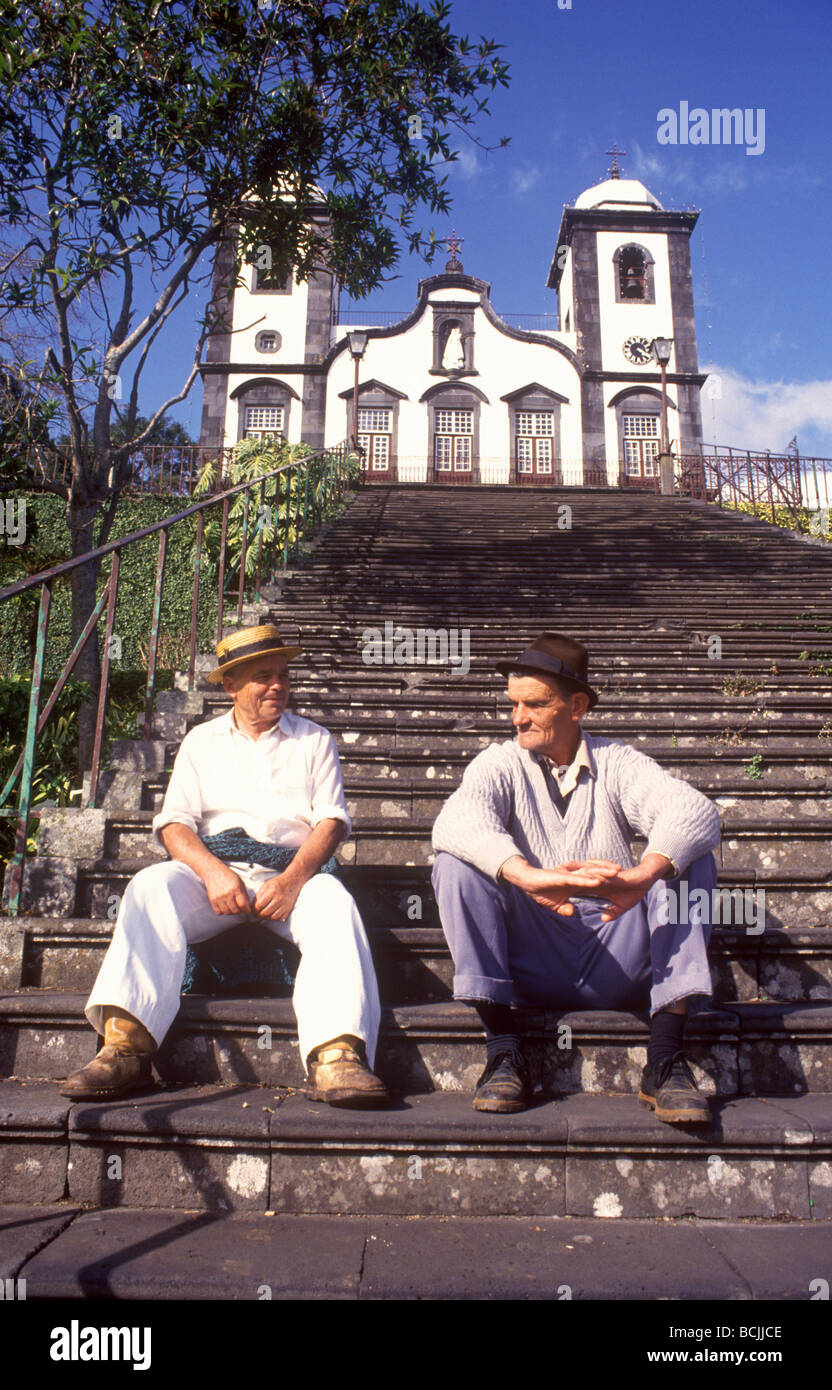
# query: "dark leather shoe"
504, 1087
109, 1075
671, 1091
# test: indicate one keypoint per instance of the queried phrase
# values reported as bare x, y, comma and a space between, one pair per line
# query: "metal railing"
386, 318
497, 470
761, 481
304, 494
170, 470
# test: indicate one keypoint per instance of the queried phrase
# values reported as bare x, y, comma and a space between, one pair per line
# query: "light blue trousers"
507, 949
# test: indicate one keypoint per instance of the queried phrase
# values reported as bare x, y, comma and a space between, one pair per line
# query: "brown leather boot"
339, 1075
121, 1068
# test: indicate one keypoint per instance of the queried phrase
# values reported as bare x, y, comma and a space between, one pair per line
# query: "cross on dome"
615, 152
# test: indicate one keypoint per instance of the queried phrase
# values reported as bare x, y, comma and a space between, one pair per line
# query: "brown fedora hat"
552, 654
246, 644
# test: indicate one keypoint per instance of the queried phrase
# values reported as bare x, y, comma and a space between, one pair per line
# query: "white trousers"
165, 908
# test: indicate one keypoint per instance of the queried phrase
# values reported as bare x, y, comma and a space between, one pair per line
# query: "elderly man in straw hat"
254, 810
540, 899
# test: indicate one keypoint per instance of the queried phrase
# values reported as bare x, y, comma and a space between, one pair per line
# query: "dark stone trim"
681, 299
615, 220
404, 325
212, 425
676, 378
265, 368
594, 437
246, 386
313, 419
534, 387
586, 296
320, 289
268, 332
448, 387
522, 335
374, 385
218, 345
462, 315
690, 419
630, 391
443, 282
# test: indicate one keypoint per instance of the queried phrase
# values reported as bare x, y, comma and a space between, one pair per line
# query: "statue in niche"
453, 358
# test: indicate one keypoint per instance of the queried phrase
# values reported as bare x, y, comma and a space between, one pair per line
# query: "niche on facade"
453, 340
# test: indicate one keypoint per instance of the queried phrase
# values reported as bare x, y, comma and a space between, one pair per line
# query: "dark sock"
501, 1033
667, 1033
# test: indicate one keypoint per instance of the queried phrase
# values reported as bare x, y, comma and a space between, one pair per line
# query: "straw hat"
249, 642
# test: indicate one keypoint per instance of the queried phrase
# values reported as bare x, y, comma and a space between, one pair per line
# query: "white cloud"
759, 414
467, 164
523, 180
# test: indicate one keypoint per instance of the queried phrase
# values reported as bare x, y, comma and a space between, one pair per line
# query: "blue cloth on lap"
244, 955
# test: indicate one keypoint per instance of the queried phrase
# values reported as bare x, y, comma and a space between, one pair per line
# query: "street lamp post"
357, 342
661, 349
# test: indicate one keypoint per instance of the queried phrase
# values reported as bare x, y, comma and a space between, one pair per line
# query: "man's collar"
583, 756
228, 725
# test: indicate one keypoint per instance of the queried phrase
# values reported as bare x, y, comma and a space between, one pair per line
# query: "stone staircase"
654, 587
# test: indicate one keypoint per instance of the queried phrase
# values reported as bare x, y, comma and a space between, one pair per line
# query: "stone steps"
744, 1048
413, 963
396, 800
233, 1131
238, 1148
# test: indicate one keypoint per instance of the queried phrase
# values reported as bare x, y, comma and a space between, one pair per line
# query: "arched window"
454, 429
264, 408
634, 275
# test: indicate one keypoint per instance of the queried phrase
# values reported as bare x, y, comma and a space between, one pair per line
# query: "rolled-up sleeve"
183, 798
327, 799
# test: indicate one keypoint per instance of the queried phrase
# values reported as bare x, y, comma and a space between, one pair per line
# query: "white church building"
452, 392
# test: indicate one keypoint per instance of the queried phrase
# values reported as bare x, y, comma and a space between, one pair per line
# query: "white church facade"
454, 393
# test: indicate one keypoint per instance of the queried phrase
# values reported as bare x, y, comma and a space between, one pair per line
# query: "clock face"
637, 350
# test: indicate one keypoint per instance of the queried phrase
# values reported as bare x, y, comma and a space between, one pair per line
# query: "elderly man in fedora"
540, 899
253, 812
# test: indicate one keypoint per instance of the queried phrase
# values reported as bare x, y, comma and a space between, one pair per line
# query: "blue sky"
600, 71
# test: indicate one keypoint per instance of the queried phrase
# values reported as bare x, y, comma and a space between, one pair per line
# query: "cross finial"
615, 152
454, 243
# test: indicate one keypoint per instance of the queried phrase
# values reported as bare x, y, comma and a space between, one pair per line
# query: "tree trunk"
82, 516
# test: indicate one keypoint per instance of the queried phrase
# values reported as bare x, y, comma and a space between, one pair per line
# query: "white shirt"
277, 787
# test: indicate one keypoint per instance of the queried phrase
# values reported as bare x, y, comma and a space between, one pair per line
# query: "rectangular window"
535, 441
375, 435
454, 422
374, 420
641, 445
454, 441
263, 422
265, 278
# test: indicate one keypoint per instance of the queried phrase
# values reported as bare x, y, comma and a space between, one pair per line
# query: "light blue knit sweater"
503, 808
